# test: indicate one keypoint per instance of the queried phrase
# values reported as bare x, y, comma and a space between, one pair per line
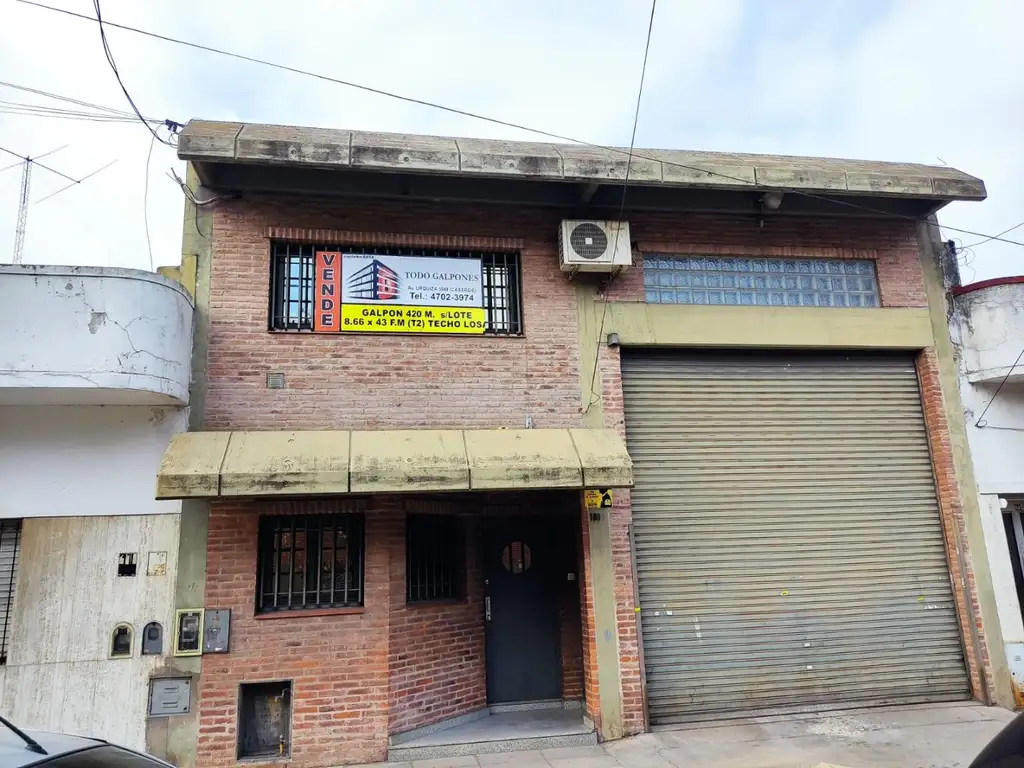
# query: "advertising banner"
372, 293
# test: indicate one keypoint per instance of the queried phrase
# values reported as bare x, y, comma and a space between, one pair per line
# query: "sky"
929, 81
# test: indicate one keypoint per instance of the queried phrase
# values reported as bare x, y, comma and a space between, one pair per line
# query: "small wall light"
771, 200
613, 340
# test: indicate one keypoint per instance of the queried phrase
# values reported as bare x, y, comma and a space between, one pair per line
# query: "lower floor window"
310, 562
435, 560
10, 548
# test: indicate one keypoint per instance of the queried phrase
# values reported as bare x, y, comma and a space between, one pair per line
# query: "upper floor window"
309, 562
293, 283
745, 281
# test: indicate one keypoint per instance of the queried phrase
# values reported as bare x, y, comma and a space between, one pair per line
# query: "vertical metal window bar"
433, 557
290, 547
8, 531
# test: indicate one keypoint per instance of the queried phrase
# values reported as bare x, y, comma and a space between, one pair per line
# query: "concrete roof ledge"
204, 141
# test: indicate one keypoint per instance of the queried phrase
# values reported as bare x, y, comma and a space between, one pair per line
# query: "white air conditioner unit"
594, 246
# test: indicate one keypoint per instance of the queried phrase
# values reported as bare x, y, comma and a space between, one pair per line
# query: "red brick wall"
588, 627
891, 244
358, 675
571, 651
342, 381
338, 664
954, 531
436, 664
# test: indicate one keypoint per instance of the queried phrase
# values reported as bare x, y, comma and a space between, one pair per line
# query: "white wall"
998, 551
997, 447
991, 330
988, 327
58, 461
97, 335
68, 600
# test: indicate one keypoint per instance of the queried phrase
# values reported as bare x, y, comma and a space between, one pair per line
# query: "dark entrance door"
525, 563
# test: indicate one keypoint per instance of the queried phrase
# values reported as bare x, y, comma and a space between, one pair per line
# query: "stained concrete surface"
928, 736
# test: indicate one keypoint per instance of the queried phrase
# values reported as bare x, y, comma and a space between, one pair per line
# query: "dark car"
20, 748
1006, 750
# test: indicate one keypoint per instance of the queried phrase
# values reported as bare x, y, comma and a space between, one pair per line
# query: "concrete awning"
224, 464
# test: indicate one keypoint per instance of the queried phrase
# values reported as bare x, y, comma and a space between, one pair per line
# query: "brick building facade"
365, 678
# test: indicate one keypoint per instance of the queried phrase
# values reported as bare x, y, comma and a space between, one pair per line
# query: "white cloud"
902, 80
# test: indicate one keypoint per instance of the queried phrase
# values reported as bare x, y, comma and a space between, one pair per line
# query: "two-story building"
94, 380
485, 465
987, 325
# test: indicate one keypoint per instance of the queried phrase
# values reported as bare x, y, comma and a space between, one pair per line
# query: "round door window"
516, 558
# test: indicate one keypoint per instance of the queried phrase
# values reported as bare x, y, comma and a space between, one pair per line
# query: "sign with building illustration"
376, 293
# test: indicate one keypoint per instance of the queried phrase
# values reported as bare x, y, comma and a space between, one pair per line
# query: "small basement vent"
275, 381
594, 246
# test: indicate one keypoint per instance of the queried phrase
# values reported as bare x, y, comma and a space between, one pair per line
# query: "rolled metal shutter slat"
788, 543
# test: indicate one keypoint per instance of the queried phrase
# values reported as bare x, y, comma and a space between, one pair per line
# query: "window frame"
272, 527
427, 529
504, 319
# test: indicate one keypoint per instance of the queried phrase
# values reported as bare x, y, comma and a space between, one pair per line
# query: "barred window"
10, 549
309, 562
761, 282
435, 561
292, 280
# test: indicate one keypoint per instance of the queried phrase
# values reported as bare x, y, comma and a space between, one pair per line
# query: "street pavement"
929, 736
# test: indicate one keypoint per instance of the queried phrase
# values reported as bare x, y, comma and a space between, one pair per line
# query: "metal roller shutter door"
789, 551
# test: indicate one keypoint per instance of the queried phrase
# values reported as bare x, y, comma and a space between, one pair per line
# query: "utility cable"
994, 237
110, 60
594, 397
70, 100
981, 419
145, 203
510, 124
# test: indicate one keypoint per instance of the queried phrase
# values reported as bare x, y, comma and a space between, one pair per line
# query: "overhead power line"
997, 236
69, 100
113, 65
594, 396
509, 123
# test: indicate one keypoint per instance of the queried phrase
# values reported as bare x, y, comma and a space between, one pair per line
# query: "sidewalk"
929, 736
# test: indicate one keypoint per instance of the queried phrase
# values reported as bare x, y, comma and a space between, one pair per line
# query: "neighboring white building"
988, 325
94, 380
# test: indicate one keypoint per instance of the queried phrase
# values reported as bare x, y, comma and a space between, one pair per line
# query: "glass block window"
742, 281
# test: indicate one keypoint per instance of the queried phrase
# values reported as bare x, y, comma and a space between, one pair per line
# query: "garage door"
789, 551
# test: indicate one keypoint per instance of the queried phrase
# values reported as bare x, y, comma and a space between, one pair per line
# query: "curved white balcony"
93, 335
991, 319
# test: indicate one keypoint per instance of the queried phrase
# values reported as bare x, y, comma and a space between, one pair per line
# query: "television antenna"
26, 182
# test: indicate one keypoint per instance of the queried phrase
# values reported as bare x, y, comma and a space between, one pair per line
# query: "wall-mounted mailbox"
169, 696
152, 639
121, 642
216, 630
188, 632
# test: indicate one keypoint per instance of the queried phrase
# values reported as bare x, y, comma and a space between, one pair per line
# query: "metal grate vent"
275, 381
589, 241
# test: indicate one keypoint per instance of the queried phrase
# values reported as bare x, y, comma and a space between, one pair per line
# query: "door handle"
487, 609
